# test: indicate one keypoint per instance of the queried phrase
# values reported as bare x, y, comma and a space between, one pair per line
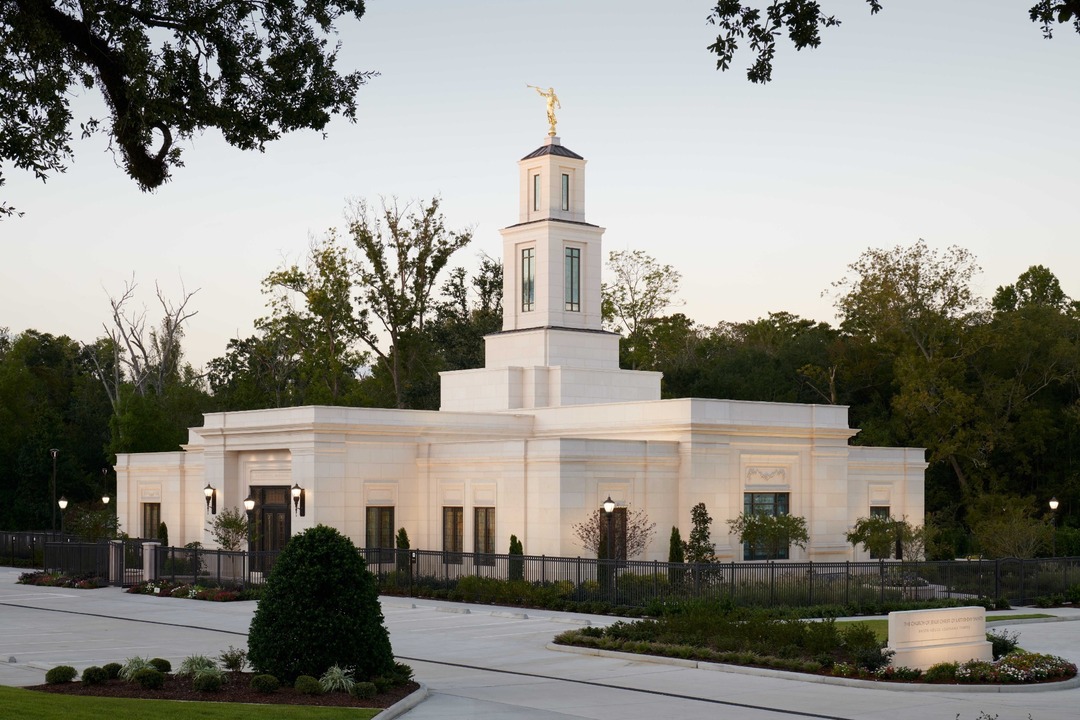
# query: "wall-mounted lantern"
211, 499
298, 500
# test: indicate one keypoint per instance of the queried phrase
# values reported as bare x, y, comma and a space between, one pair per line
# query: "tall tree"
803, 20
325, 328
403, 251
167, 70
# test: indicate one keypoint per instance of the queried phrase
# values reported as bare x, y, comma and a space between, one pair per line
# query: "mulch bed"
237, 689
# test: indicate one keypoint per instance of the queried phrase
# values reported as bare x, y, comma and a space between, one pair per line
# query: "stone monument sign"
921, 638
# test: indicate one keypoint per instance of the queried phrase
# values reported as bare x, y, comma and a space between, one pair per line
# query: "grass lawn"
28, 705
881, 627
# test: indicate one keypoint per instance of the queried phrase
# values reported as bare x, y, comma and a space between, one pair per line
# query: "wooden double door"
273, 518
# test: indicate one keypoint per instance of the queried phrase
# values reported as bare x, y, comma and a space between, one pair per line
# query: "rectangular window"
484, 535
572, 279
536, 191
565, 192
771, 504
151, 520
380, 534
618, 534
453, 534
528, 279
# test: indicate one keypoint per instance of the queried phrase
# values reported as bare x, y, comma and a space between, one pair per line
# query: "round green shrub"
264, 683
150, 678
320, 607
161, 665
208, 681
60, 674
307, 685
95, 675
113, 670
364, 690
941, 673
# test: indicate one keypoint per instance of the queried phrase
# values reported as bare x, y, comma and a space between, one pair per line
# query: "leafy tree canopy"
167, 69
803, 20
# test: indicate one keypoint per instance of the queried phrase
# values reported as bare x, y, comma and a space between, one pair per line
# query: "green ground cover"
29, 705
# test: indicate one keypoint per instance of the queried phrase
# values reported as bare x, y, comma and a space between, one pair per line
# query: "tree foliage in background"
1009, 526
757, 25
167, 70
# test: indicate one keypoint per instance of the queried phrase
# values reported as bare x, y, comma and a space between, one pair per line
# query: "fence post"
997, 578
149, 560
543, 569
810, 584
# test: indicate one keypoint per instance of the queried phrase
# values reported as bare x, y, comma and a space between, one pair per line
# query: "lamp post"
62, 503
1053, 524
249, 506
609, 510
53, 452
105, 486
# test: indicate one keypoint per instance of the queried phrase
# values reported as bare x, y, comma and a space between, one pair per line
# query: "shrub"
264, 683
307, 685
60, 674
364, 690
233, 659
402, 673
337, 679
133, 665
208, 680
382, 684
161, 665
95, 675
515, 567
941, 673
196, 664
1003, 642
320, 596
149, 678
862, 647
112, 669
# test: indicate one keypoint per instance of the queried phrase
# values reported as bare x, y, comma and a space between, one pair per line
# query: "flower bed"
193, 591
88, 581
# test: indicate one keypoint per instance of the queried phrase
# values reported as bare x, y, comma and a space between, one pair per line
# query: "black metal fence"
475, 576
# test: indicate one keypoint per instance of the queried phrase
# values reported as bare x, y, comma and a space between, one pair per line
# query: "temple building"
533, 442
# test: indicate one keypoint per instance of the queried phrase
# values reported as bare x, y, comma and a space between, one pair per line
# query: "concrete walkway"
486, 662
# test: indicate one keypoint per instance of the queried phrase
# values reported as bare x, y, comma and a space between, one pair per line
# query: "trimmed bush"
364, 690
320, 607
161, 665
1003, 642
95, 675
941, 673
112, 669
265, 683
208, 681
149, 678
60, 674
307, 685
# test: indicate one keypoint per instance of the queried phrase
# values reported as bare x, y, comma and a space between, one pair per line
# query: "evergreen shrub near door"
319, 608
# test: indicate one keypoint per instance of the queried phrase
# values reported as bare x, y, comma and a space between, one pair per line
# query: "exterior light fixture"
211, 499
298, 500
249, 502
105, 485
63, 503
1054, 503
609, 505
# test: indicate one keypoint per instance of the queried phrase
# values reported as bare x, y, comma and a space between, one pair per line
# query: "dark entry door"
272, 523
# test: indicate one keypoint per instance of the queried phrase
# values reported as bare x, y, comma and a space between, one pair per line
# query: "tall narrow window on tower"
528, 279
572, 279
565, 192
536, 191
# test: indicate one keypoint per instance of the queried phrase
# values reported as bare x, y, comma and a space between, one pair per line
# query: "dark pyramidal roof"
553, 150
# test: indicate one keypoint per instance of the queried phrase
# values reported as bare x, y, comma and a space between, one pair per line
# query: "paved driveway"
491, 662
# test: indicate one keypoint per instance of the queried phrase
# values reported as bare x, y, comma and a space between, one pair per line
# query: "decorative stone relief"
760, 475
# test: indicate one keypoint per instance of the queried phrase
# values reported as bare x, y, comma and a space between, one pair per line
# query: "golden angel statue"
552, 105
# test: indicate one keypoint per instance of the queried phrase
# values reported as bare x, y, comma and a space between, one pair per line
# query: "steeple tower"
552, 350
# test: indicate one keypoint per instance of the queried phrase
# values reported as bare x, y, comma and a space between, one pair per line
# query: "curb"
405, 704
819, 679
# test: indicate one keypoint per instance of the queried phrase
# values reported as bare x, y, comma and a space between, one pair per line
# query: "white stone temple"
534, 441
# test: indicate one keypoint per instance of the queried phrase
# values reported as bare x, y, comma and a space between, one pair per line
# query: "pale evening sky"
949, 121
